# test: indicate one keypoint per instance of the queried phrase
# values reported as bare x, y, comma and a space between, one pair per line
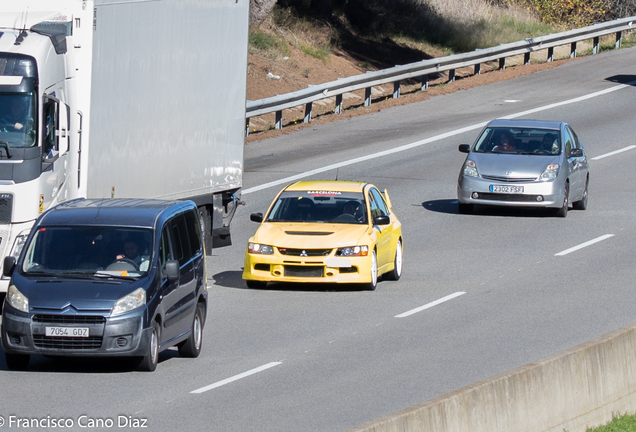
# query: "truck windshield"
17, 119
90, 251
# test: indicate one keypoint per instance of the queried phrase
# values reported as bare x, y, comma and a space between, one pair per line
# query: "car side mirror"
8, 266
171, 270
256, 217
464, 148
576, 152
382, 220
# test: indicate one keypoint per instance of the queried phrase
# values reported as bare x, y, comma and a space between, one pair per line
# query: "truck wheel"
17, 361
148, 363
191, 347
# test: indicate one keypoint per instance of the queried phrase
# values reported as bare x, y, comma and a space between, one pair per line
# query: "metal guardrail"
426, 67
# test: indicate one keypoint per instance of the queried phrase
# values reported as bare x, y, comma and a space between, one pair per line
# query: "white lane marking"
614, 152
415, 144
586, 244
236, 377
430, 305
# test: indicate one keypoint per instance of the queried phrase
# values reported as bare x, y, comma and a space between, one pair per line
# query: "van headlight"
550, 173
470, 169
132, 301
17, 300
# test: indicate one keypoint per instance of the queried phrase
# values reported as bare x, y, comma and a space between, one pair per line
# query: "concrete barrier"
572, 390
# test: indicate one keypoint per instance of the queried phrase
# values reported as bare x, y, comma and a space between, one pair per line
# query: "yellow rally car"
325, 232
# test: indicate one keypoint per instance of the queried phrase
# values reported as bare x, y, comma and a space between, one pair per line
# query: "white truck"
121, 98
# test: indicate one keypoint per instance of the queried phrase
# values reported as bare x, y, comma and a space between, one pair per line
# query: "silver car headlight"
350, 251
132, 301
257, 248
470, 169
550, 173
17, 300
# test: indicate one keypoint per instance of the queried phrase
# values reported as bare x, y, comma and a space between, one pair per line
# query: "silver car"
524, 163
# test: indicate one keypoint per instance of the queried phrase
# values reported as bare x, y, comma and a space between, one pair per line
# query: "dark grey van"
107, 277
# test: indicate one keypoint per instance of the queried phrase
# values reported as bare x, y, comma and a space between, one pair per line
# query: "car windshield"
17, 119
526, 141
319, 206
88, 251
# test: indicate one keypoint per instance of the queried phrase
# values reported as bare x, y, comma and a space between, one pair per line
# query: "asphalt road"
480, 294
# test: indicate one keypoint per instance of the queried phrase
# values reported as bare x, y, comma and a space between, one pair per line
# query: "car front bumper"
535, 194
119, 336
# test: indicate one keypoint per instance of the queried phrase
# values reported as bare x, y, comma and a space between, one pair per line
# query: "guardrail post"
338, 109
477, 68
451, 75
550, 54
396, 89
307, 118
619, 40
502, 63
526, 59
279, 120
247, 126
573, 50
424, 82
595, 48
367, 96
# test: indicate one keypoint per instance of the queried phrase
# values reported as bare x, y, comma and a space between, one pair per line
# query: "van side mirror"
256, 217
8, 266
171, 270
464, 148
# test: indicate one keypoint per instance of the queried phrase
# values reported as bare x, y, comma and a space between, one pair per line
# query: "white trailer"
121, 98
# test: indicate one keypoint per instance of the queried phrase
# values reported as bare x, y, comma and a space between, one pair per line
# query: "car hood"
310, 235
81, 295
512, 165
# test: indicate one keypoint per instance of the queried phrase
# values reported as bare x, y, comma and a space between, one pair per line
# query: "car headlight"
257, 248
17, 300
353, 251
132, 301
470, 169
550, 173
18, 244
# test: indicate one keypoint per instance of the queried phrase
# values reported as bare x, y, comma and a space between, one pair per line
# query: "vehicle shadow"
450, 206
233, 279
622, 79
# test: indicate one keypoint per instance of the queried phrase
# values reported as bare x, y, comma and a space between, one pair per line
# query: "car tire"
148, 363
255, 284
191, 347
18, 362
465, 208
397, 264
563, 211
371, 286
582, 204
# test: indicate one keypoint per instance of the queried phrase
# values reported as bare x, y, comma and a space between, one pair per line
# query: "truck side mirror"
8, 266
170, 270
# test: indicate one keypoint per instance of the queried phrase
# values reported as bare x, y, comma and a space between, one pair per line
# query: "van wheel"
17, 361
148, 363
191, 347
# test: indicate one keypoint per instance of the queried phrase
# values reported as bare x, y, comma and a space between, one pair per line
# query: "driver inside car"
131, 252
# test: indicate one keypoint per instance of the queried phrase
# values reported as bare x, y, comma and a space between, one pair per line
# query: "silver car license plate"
67, 331
506, 189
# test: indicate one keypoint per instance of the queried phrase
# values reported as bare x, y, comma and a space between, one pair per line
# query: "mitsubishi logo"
303, 253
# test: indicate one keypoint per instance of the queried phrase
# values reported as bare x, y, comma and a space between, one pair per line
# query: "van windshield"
98, 251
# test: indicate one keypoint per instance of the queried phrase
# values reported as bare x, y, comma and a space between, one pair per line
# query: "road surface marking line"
614, 152
236, 377
415, 144
586, 244
430, 305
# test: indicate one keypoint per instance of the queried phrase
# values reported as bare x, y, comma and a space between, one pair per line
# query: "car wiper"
103, 275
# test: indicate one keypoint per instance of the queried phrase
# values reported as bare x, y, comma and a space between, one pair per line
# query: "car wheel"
397, 264
17, 361
148, 363
582, 204
191, 347
255, 284
465, 208
563, 211
370, 286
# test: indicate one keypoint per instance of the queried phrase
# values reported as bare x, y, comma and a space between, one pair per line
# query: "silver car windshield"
320, 207
526, 141
90, 251
17, 119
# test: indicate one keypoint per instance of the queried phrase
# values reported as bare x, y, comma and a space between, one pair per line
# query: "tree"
259, 9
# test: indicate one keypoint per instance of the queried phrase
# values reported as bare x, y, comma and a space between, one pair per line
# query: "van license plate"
506, 189
67, 331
